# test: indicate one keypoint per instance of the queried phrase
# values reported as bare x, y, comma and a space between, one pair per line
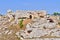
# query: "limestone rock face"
38, 27
43, 13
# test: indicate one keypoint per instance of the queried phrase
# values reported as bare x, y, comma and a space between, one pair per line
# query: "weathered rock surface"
39, 27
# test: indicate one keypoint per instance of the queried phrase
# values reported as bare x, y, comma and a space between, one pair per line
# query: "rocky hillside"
29, 25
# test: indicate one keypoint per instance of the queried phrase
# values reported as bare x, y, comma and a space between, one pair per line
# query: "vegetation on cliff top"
56, 13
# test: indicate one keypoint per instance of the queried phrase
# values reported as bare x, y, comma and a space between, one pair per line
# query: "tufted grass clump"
21, 23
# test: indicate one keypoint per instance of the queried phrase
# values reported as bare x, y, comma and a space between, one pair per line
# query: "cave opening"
30, 16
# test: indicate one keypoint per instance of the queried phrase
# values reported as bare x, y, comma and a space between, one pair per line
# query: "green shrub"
56, 13
21, 23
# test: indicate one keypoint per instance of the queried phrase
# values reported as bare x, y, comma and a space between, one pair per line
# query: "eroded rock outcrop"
36, 25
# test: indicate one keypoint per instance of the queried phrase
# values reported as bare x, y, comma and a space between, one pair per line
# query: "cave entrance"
30, 16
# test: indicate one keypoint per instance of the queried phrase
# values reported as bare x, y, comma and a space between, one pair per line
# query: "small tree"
56, 13
48, 14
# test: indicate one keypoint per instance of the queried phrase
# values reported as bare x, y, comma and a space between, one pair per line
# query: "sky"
50, 6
